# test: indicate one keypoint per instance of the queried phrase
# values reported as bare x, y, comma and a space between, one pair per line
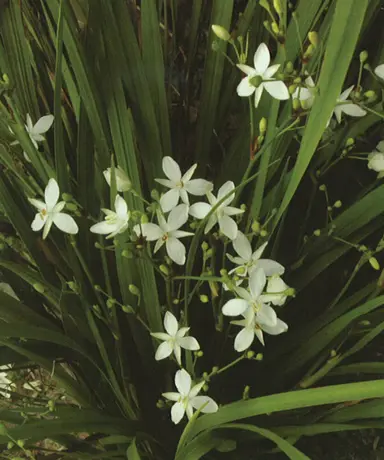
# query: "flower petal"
180, 234
207, 404
242, 246
170, 324
228, 226
244, 339
200, 210
212, 221
47, 227
189, 343
38, 222
234, 307
183, 382
170, 199
277, 90
184, 195
266, 316
187, 175
248, 70
261, 59
160, 335
121, 207
223, 191
150, 231
177, 412
338, 111
259, 335
158, 245
176, 250
177, 217
177, 353
51, 193
277, 329
29, 123
270, 72
271, 267
244, 88
257, 282
259, 251
198, 187
65, 223
171, 169
171, 395
40, 205
166, 182
231, 211
380, 145
353, 110
103, 228
43, 124
163, 351
345, 94
258, 94
379, 71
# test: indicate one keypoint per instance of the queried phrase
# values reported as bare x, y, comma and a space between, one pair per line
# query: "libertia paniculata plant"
191, 226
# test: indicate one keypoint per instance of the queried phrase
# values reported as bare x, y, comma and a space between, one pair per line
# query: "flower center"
44, 212
256, 81
180, 184
256, 306
165, 237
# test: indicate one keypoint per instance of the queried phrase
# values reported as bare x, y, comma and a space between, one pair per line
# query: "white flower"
123, 184
174, 340
180, 185
376, 159
168, 232
253, 325
306, 94
248, 261
253, 298
379, 71
347, 107
50, 212
260, 77
276, 290
186, 400
5, 384
114, 222
5, 287
221, 214
36, 130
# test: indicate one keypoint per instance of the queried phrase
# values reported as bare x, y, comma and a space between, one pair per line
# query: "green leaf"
341, 44
132, 452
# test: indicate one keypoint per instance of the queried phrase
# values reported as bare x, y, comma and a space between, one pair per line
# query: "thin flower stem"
368, 109
359, 264
106, 273
228, 366
251, 127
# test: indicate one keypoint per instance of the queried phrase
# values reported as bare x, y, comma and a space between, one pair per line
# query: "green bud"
209, 253
144, 219
205, 387
278, 5
329, 208
20, 443
289, 67
164, 269
292, 89
243, 207
98, 245
73, 286
206, 376
246, 392
297, 80
250, 354
223, 272
322, 188
127, 309
51, 405
127, 254
263, 233
317, 232
97, 309
263, 124
255, 226
275, 28
136, 216
241, 271
349, 142
39, 288
290, 292
374, 263
370, 95
134, 290
66, 196
155, 195
71, 207
160, 404
214, 370
337, 204
199, 354
204, 246
363, 56
313, 38
176, 301
215, 45
110, 302
204, 298
259, 357
10, 445
96, 287
296, 105
333, 353
365, 322
221, 32
309, 52
242, 58
193, 225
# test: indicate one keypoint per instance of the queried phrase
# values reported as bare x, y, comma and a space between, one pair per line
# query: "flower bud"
337, 204
296, 105
39, 288
214, 370
160, 404
51, 405
205, 387
96, 309
134, 290
127, 254
246, 392
259, 357
255, 226
374, 263
127, 309
292, 88
223, 272
243, 207
263, 233
241, 271
199, 353
155, 195
370, 95
289, 67
275, 28
176, 301
215, 45
144, 219
204, 298
263, 124
363, 56
206, 376
72, 207
309, 52
20, 443
317, 232
123, 184
221, 32
110, 302
250, 354
66, 196
204, 246
278, 5
164, 269
322, 188
10, 445
313, 38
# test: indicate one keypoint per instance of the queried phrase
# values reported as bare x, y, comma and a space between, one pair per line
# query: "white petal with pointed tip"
198, 187
51, 193
353, 110
183, 382
228, 226
258, 94
207, 404
266, 316
189, 343
189, 173
244, 339
38, 223
163, 351
279, 328
170, 324
178, 217
270, 267
43, 124
200, 210
242, 246
277, 90
171, 169
261, 59
177, 412
257, 282
379, 71
235, 307
150, 231
176, 250
65, 223
245, 88
224, 190
170, 199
